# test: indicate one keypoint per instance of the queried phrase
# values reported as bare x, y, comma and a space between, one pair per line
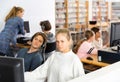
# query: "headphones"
43, 27
44, 38
42, 24
43, 46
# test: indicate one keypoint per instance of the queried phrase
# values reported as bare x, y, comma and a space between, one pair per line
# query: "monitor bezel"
11, 69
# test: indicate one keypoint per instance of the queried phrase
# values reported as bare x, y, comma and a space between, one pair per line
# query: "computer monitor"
115, 34
11, 69
26, 26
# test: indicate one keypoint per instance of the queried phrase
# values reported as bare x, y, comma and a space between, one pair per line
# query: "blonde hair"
13, 12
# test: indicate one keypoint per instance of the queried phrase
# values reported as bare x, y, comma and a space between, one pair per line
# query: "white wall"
35, 11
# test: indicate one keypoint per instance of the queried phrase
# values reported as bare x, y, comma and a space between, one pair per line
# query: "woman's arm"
78, 68
39, 73
94, 51
21, 26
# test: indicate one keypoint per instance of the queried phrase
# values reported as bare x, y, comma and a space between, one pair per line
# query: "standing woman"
62, 66
13, 26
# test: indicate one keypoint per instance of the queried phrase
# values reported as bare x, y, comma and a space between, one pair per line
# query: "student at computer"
63, 65
33, 56
13, 26
51, 43
98, 41
85, 48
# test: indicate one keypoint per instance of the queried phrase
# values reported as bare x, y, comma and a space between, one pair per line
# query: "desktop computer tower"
108, 56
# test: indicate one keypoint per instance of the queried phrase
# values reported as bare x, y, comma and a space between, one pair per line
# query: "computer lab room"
59, 41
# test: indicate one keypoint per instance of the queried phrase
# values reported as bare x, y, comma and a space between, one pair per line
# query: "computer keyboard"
114, 48
23, 40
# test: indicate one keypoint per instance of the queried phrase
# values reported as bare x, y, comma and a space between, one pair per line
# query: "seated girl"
33, 56
85, 47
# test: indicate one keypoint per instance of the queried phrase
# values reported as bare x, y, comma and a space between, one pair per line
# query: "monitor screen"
115, 34
11, 69
26, 26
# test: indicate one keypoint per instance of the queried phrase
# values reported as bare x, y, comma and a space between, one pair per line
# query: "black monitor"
115, 34
11, 69
26, 26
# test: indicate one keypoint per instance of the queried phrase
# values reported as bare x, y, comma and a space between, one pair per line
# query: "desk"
94, 61
22, 45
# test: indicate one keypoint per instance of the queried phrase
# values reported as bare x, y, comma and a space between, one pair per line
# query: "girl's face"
93, 37
20, 14
37, 42
62, 43
98, 34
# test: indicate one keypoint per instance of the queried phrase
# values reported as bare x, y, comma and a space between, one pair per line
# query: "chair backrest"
50, 47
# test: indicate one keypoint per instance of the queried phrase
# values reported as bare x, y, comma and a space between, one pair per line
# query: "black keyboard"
23, 40
114, 48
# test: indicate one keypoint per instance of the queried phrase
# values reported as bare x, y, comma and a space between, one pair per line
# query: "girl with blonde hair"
62, 66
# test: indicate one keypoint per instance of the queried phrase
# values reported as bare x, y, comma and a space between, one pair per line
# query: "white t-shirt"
98, 44
59, 67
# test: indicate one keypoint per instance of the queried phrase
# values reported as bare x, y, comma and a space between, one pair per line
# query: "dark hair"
45, 25
40, 34
95, 29
13, 12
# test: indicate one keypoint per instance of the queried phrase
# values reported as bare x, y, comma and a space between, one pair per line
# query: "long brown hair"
13, 12
75, 49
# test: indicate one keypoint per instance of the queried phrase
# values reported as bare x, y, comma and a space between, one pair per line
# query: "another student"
51, 43
98, 42
85, 47
33, 56
13, 26
62, 66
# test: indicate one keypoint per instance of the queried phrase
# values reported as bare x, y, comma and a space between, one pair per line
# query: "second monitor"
27, 26
115, 34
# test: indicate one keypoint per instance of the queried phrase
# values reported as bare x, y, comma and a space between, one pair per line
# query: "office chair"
46, 49
50, 47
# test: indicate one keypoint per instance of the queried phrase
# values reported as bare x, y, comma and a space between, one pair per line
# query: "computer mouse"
89, 58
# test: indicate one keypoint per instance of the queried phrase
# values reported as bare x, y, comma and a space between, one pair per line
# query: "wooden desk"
22, 45
94, 61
